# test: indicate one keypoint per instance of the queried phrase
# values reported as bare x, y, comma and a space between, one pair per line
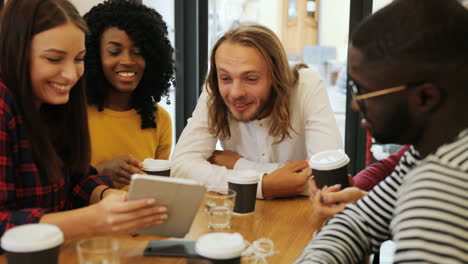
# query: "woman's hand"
115, 214
121, 168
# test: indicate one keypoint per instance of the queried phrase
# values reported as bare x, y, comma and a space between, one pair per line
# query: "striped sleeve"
361, 228
431, 218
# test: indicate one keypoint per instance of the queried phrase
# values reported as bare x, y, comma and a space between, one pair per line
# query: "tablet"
182, 197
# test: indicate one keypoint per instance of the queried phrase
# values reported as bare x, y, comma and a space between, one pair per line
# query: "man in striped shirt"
408, 65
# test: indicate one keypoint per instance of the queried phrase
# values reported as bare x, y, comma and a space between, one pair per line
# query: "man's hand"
224, 158
331, 200
287, 181
121, 168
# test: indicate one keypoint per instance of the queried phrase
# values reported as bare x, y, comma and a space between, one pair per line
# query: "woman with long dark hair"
44, 140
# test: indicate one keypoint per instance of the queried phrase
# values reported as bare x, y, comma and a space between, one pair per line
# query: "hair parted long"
148, 30
283, 80
58, 134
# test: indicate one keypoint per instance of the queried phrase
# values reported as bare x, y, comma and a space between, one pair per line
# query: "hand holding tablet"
182, 197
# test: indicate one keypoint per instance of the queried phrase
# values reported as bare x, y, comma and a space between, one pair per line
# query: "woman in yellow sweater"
129, 67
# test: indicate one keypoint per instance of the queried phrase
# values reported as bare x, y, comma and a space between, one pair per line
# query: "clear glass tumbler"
219, 208
98, 250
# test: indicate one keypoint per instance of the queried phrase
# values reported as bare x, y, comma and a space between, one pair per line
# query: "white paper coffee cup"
157, 167
221, 247
329, 168
245, 183
32, 243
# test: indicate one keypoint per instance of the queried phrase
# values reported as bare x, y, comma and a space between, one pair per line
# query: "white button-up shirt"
312, 120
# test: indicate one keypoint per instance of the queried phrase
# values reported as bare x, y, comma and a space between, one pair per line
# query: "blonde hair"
283, 79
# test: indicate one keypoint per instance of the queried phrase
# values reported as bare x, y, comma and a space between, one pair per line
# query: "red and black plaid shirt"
25, 196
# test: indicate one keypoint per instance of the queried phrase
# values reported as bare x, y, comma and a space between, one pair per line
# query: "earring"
168, 100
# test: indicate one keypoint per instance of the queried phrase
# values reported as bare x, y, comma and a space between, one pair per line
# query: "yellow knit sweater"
117, 133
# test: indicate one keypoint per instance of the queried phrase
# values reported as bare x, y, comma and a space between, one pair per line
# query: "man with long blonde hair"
264, 112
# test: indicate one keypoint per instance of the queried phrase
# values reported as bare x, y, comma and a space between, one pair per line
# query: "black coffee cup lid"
31, 238
220, 245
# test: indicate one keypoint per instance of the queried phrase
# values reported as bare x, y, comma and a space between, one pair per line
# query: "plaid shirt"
25, 196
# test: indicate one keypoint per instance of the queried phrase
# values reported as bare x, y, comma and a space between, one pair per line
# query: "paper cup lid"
242, 176
220, 245
31, 238
329, 160
156, 164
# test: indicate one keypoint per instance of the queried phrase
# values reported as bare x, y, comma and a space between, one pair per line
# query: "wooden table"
287, 222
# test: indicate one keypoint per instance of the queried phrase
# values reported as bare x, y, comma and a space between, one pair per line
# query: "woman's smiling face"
56, 63
122, 62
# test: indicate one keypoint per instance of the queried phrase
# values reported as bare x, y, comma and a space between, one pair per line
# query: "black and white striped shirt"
422, 206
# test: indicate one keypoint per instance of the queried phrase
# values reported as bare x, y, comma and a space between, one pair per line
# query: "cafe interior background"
312, 31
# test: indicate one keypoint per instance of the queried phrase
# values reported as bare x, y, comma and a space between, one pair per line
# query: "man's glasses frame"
359, 97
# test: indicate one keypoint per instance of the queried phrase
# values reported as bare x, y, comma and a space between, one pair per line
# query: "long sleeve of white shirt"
314, 129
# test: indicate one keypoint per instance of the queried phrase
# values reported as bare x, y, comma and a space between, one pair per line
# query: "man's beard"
260, 111
397, 128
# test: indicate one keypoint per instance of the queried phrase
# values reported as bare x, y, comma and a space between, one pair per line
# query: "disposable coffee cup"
329, 168
221, 248
32, 244
157, 167
244, 183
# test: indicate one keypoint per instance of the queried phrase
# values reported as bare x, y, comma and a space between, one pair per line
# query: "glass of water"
219, 208
98, 250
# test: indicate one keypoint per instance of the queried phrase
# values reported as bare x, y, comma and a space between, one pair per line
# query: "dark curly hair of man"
148, 30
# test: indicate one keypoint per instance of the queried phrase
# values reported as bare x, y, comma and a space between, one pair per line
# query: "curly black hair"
146, 27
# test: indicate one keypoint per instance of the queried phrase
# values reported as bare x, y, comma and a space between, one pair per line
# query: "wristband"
102, 192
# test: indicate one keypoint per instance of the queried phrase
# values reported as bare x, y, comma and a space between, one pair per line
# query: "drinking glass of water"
98, 250
219, 208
